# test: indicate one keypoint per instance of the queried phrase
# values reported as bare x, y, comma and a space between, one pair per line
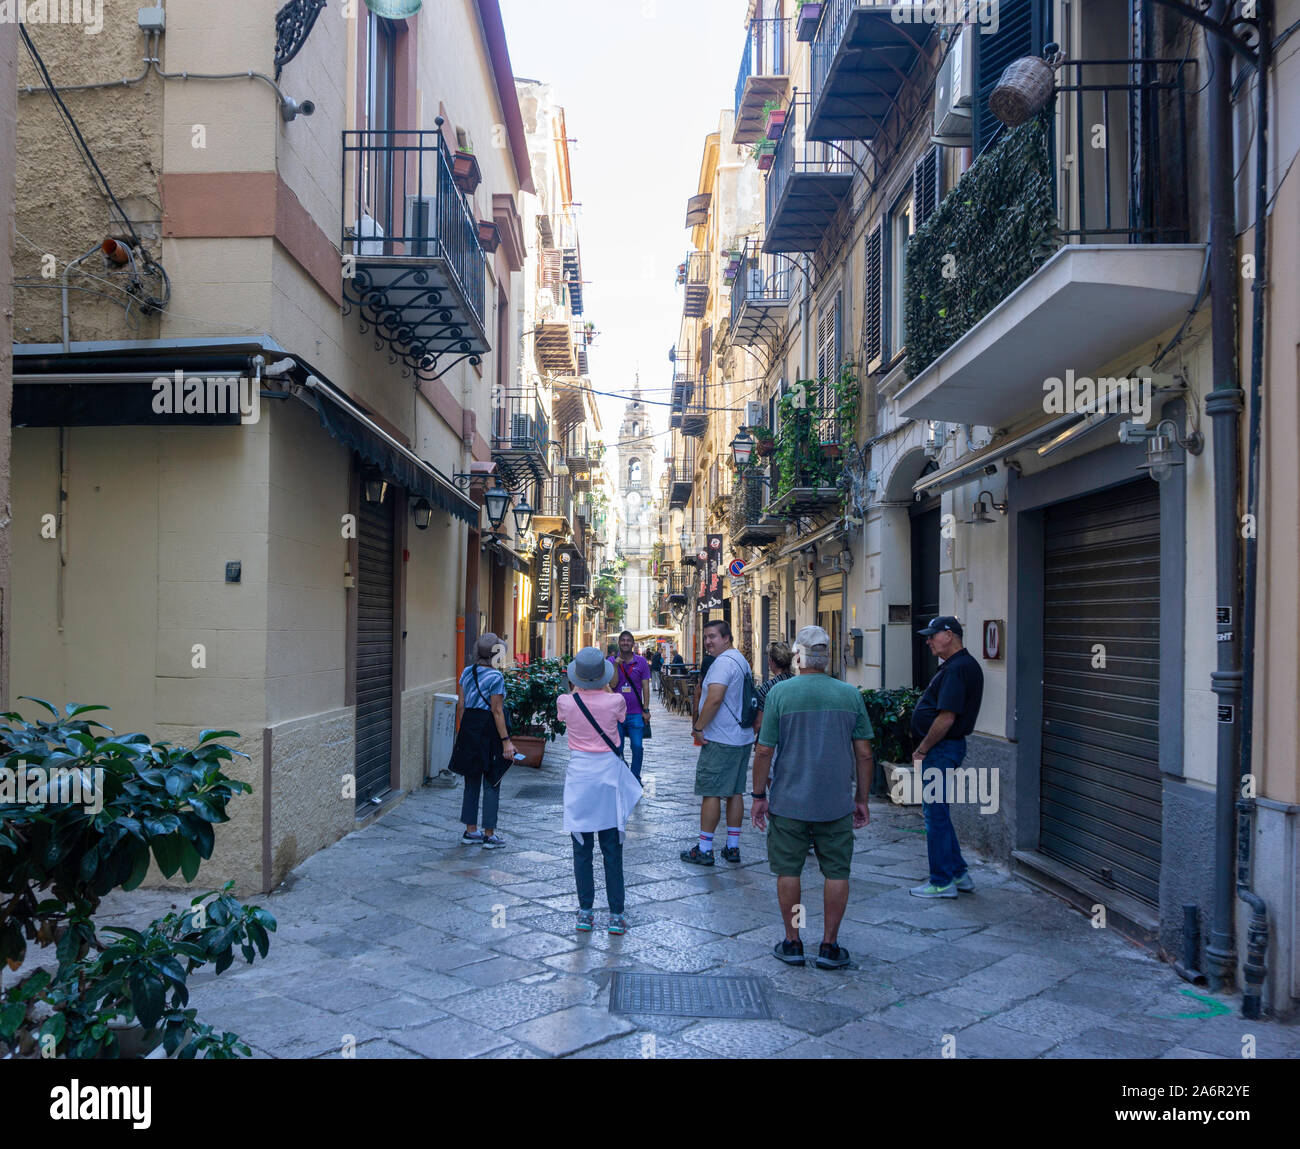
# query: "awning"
827, 532
697, 209
351, 426
511, 557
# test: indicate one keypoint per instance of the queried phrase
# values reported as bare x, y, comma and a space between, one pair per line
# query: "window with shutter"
828, 350
925, 185
873, 330
1023, 29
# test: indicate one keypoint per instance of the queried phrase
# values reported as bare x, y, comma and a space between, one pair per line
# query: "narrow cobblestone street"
417, 946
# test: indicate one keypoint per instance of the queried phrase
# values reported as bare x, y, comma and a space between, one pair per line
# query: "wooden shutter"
828, 349
376, 606
925, 186
873, 310
1022, 31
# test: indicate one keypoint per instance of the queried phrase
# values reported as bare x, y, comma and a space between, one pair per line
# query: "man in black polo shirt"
941, 721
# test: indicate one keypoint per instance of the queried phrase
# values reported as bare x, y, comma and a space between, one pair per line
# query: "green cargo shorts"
787, 846
722, 769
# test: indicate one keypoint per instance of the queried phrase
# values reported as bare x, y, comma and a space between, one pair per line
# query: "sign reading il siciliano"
544, 583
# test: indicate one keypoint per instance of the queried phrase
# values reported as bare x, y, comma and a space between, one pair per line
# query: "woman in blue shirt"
481, 737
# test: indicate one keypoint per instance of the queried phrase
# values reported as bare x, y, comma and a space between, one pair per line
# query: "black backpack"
748, 698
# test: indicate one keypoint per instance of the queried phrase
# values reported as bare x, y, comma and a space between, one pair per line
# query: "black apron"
478, 745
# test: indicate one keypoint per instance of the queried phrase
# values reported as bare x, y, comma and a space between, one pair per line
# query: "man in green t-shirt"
819, 792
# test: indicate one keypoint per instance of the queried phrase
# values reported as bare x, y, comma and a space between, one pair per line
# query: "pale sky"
642, 83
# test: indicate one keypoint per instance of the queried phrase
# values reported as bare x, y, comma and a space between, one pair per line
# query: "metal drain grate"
688, 995
543, 791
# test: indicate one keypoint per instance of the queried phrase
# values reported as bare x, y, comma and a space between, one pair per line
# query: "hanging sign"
710, 580
544, 585
736, 568
565, 574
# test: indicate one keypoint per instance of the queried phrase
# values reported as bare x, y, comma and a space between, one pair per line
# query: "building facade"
1004, 370
267, 387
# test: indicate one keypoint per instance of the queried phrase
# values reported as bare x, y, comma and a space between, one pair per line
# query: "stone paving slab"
409, 944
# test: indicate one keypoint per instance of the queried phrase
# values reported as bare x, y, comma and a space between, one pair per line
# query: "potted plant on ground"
121, 802
810, 15
890, 714
465, 170
531, 695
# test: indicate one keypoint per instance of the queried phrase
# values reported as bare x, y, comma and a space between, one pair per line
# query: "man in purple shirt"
632, 681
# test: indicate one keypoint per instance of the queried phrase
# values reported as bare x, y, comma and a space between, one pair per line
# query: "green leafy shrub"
890, 712
532, 692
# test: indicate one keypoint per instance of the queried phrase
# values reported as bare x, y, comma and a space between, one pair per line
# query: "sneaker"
493, 842
697, 857
617, 924
474, 839
832, 956
964, 883
731, 853
930, 890
789, 952
586, 919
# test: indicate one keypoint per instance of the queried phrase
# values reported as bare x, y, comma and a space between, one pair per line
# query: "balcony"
520, 438
413, 266
679, 469
747, 523
696, 300
684, 380
764, 77
808, 449
580, 457
695, 413
553, 343
1087, 269
760, 297
861, 58
806, 187
554, 511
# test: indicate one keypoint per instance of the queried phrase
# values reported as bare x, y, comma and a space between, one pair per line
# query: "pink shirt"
606, 708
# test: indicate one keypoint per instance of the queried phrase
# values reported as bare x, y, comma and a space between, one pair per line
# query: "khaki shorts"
787, 846
721, 770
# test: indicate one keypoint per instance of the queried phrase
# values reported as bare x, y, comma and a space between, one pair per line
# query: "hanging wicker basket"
1025, 88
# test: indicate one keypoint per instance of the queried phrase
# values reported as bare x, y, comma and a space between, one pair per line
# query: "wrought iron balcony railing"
555, 499
807, 464
412, 261
520, 437
764, 76
760, 296
696, 299
806, 186
747, 523
1132, 191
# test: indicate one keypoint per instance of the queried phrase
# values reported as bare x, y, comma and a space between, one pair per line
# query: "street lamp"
523, 516
422, 512
742, 448
374, 487
496, 500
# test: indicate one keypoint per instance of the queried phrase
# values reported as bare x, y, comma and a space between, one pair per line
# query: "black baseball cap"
943, 622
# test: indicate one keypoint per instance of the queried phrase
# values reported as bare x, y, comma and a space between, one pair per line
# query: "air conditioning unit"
753, 413
421, 224
953, 94
442, 733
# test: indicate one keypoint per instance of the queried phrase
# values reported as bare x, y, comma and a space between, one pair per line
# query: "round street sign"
737, 567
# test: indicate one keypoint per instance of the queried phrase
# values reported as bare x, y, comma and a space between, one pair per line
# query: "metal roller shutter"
375, 647
1100, 807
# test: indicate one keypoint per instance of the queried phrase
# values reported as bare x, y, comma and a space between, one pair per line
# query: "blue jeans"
632, 729
583, 871
946, 862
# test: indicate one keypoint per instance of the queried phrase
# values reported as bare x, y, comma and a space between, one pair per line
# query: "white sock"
706, 843
733, 837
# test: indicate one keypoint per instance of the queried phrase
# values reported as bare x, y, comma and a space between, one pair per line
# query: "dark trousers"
583, 871
469, 804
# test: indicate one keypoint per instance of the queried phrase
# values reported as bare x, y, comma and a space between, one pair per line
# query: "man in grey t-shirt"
820, 795
724, 758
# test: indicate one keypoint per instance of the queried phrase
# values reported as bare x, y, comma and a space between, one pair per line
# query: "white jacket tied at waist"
600, 793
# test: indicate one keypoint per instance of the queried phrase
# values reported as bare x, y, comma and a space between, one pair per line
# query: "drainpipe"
1223, 406
1257, 933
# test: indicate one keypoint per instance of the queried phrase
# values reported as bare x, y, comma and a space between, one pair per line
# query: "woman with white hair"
481, 739
599, 789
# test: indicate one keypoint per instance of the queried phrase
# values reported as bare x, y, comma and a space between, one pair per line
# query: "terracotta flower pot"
775, 124
810, 15
465, 172
534, 749
766, 160
764, 447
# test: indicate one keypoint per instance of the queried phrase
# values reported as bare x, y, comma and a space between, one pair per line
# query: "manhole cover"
688, 995
547, 793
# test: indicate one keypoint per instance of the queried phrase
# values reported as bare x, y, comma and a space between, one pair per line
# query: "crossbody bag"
577, 698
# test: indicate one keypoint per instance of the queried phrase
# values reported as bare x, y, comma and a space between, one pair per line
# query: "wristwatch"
759, 797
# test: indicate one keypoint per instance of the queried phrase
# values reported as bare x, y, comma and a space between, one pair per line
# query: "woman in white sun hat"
599, 789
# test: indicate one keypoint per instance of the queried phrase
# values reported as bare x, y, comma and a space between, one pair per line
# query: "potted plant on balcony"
531, 695
465, 170
810, 15
765, 153
764, 442
774, 114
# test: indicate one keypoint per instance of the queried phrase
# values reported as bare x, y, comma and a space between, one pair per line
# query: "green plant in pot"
890, 714
531, 695
120, 802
